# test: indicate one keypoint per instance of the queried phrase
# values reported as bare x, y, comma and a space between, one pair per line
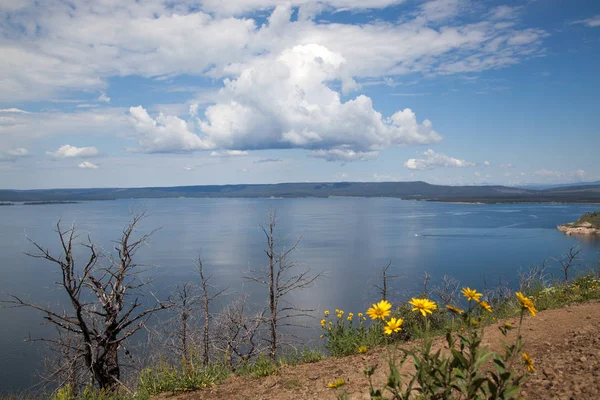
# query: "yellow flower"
336, 384
362, 349
425, 306
341, 312
337, 311
339, 315
380, 310
323, 322
454, 309
528, 362
330, 323
471, 294
350, 318
485, 306
321, 337
508, 325
393, 325
526, 303
351, 314
326, 312
360, 314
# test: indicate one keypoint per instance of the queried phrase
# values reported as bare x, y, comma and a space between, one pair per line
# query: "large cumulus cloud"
288, 102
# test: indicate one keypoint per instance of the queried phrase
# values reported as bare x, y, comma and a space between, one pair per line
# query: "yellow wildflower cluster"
382, 310
526, 303
362, 349
471, 295
528, 362
336, 384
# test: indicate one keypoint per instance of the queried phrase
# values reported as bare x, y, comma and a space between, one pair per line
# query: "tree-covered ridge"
404, 190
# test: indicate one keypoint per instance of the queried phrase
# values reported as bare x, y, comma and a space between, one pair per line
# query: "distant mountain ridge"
405, 190
539, 186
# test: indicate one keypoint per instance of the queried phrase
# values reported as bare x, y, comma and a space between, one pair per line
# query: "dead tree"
281, 279
383, 290
184, 301
534, 275
447, 291
104, 293
569, 260
207, 299
237, 334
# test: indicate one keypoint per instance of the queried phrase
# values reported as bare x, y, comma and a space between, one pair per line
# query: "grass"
593, 218
344, 338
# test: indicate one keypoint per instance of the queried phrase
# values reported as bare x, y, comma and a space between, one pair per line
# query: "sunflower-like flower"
362, 349
485, 305
528, 362
454, 309
326, 312
393, 325
526, 303
336, 384
471, 294
424, 306
380, 310
323, 322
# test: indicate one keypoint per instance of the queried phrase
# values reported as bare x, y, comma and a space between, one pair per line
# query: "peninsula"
588, 224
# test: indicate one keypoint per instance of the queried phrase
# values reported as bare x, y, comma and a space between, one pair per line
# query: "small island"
588, 224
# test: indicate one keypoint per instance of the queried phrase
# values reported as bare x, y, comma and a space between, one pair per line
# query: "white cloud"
68, 151
546, 172
165, 133
14, 154
505, 12
13, 110
592, 22
53, 47
286, 103
87, 165
561, 176
239, 7
487, 163
434, 160
19, 152
506, 166
104, 98
344, 155
229, 153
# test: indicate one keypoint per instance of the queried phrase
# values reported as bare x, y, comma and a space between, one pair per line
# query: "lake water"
349, 239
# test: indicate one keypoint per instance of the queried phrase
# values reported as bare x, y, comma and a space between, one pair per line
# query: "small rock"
314, 377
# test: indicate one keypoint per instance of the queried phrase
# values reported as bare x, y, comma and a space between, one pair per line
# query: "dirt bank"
564, 343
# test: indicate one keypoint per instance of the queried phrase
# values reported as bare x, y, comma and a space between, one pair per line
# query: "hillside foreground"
564, 344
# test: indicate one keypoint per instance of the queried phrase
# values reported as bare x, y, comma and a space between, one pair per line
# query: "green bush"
345, 335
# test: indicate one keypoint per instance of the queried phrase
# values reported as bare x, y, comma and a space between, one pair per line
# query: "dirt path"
564, 343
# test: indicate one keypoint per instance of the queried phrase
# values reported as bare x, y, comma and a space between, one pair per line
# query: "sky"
124, 93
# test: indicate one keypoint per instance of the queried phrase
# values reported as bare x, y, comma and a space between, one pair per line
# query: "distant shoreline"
418, 190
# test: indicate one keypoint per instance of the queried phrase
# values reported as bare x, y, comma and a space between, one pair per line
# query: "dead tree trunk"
100, 326
281, 278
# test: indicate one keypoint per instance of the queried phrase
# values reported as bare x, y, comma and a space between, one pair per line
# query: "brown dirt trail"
564, 344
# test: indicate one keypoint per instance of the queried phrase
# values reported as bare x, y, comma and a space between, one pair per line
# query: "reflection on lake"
349, 238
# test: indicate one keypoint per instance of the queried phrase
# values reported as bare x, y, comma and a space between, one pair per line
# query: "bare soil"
564, 344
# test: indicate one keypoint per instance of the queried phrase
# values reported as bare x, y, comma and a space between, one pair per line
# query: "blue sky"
104, 93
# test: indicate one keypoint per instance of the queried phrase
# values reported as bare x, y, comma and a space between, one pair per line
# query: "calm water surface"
347, 238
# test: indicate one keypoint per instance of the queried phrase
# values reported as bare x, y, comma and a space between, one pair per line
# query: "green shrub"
345, 335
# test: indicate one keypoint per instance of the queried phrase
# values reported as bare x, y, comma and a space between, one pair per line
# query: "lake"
349, 239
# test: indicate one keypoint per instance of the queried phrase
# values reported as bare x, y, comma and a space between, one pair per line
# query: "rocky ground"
564, 343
